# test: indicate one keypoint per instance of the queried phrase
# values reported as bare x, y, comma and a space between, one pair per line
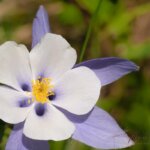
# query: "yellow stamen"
29, 101
41, 89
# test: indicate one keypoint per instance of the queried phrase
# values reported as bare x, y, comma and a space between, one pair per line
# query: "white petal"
14, 65
77, 91
53, 125
52, 56
10, 111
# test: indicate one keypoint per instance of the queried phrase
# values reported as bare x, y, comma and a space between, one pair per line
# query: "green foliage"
70, 15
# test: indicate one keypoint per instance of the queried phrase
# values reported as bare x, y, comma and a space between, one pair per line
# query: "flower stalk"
89, 31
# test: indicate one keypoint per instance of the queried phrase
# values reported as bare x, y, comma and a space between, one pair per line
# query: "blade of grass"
70, 144
92, 22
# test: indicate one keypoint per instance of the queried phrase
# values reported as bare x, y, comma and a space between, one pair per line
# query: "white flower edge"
52, 57
77, 91
52, 126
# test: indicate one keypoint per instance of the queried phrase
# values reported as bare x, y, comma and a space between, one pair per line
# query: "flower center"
42, 89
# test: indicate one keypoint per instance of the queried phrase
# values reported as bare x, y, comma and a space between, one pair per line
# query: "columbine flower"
54, 98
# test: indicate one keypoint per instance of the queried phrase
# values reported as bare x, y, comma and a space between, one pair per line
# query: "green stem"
89, 31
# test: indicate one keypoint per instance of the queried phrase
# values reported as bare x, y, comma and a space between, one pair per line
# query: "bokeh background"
121, 28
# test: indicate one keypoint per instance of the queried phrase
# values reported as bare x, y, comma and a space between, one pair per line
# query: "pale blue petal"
98, 129
40, 26
109, 69
17, 141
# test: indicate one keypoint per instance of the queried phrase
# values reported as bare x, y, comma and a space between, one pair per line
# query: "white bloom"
36, 84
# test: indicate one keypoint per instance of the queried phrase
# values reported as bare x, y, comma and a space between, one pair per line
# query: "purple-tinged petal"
24, 102
40, 26
100, 130
14, 106
51, 125
17, 141
26, 87
109, 69
14, 64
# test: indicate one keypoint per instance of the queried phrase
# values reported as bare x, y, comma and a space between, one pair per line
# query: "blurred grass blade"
92, 22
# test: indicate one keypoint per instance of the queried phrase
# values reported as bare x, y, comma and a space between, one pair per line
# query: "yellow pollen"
41, 89
29, 101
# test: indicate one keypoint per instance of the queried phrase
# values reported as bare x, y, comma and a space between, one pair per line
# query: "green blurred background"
121, 28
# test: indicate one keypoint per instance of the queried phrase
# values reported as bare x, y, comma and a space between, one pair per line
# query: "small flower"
50, 83
52, 98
